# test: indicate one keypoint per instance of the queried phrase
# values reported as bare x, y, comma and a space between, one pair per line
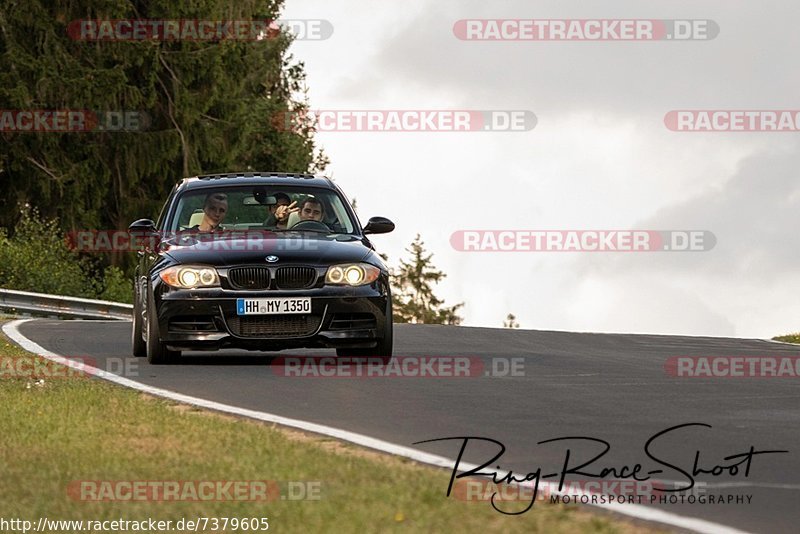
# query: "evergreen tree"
511, 321
209, 104
414, 301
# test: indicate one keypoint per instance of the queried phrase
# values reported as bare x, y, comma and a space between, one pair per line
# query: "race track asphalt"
614, 387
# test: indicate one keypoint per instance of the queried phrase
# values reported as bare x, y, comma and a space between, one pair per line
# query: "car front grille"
274, 326
295, 277
249, 277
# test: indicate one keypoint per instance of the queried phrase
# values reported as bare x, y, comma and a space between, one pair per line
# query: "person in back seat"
280, 211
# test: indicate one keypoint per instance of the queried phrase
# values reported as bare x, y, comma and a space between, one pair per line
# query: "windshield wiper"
326, 232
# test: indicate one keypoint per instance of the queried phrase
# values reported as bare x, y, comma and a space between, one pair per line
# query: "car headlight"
352, 274
189, 276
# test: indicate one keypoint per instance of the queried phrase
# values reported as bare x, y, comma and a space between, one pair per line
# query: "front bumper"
206, 319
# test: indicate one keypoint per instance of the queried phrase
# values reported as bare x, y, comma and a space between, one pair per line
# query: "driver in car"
311, 210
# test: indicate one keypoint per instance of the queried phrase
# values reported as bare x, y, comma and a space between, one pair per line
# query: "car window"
162, 215
248, 206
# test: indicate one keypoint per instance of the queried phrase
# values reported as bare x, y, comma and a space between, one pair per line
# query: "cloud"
742, 286
747, 65
755, 216
599, 158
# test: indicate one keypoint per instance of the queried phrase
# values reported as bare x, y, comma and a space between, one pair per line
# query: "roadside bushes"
36, 258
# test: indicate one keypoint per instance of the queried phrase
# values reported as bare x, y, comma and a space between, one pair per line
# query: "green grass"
72, 429
788, 338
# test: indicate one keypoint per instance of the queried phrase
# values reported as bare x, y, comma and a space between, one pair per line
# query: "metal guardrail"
41, 303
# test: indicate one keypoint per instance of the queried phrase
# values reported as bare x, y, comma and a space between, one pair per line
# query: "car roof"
256, 178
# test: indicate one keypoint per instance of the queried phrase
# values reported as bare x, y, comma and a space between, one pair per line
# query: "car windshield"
238, 208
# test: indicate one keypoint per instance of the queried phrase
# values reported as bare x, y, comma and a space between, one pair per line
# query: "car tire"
139, 347
157, 351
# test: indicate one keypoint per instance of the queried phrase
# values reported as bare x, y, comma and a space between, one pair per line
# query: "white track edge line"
795, 345
11, 329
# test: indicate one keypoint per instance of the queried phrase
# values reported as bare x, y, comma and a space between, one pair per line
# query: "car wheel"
157, 351
137, 335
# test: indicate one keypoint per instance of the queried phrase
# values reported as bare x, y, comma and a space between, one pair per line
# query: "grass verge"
76, 429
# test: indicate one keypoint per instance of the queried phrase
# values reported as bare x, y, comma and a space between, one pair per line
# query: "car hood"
289, 247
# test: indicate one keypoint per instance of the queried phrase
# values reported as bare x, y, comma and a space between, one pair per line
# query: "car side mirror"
143, 234
378, 225
143, 226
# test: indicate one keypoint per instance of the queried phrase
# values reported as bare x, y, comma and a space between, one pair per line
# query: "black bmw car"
259, 261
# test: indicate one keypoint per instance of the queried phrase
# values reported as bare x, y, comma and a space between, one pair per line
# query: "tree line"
208, 107
201, 107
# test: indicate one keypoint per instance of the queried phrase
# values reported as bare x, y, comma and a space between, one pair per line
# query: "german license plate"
276, 306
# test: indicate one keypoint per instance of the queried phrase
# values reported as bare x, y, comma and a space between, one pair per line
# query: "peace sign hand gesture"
282, 212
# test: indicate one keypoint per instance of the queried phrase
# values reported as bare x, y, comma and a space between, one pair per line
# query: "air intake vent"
353, 321
274, 326
192, 323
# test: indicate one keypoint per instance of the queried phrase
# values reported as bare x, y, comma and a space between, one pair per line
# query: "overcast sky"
600, 157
